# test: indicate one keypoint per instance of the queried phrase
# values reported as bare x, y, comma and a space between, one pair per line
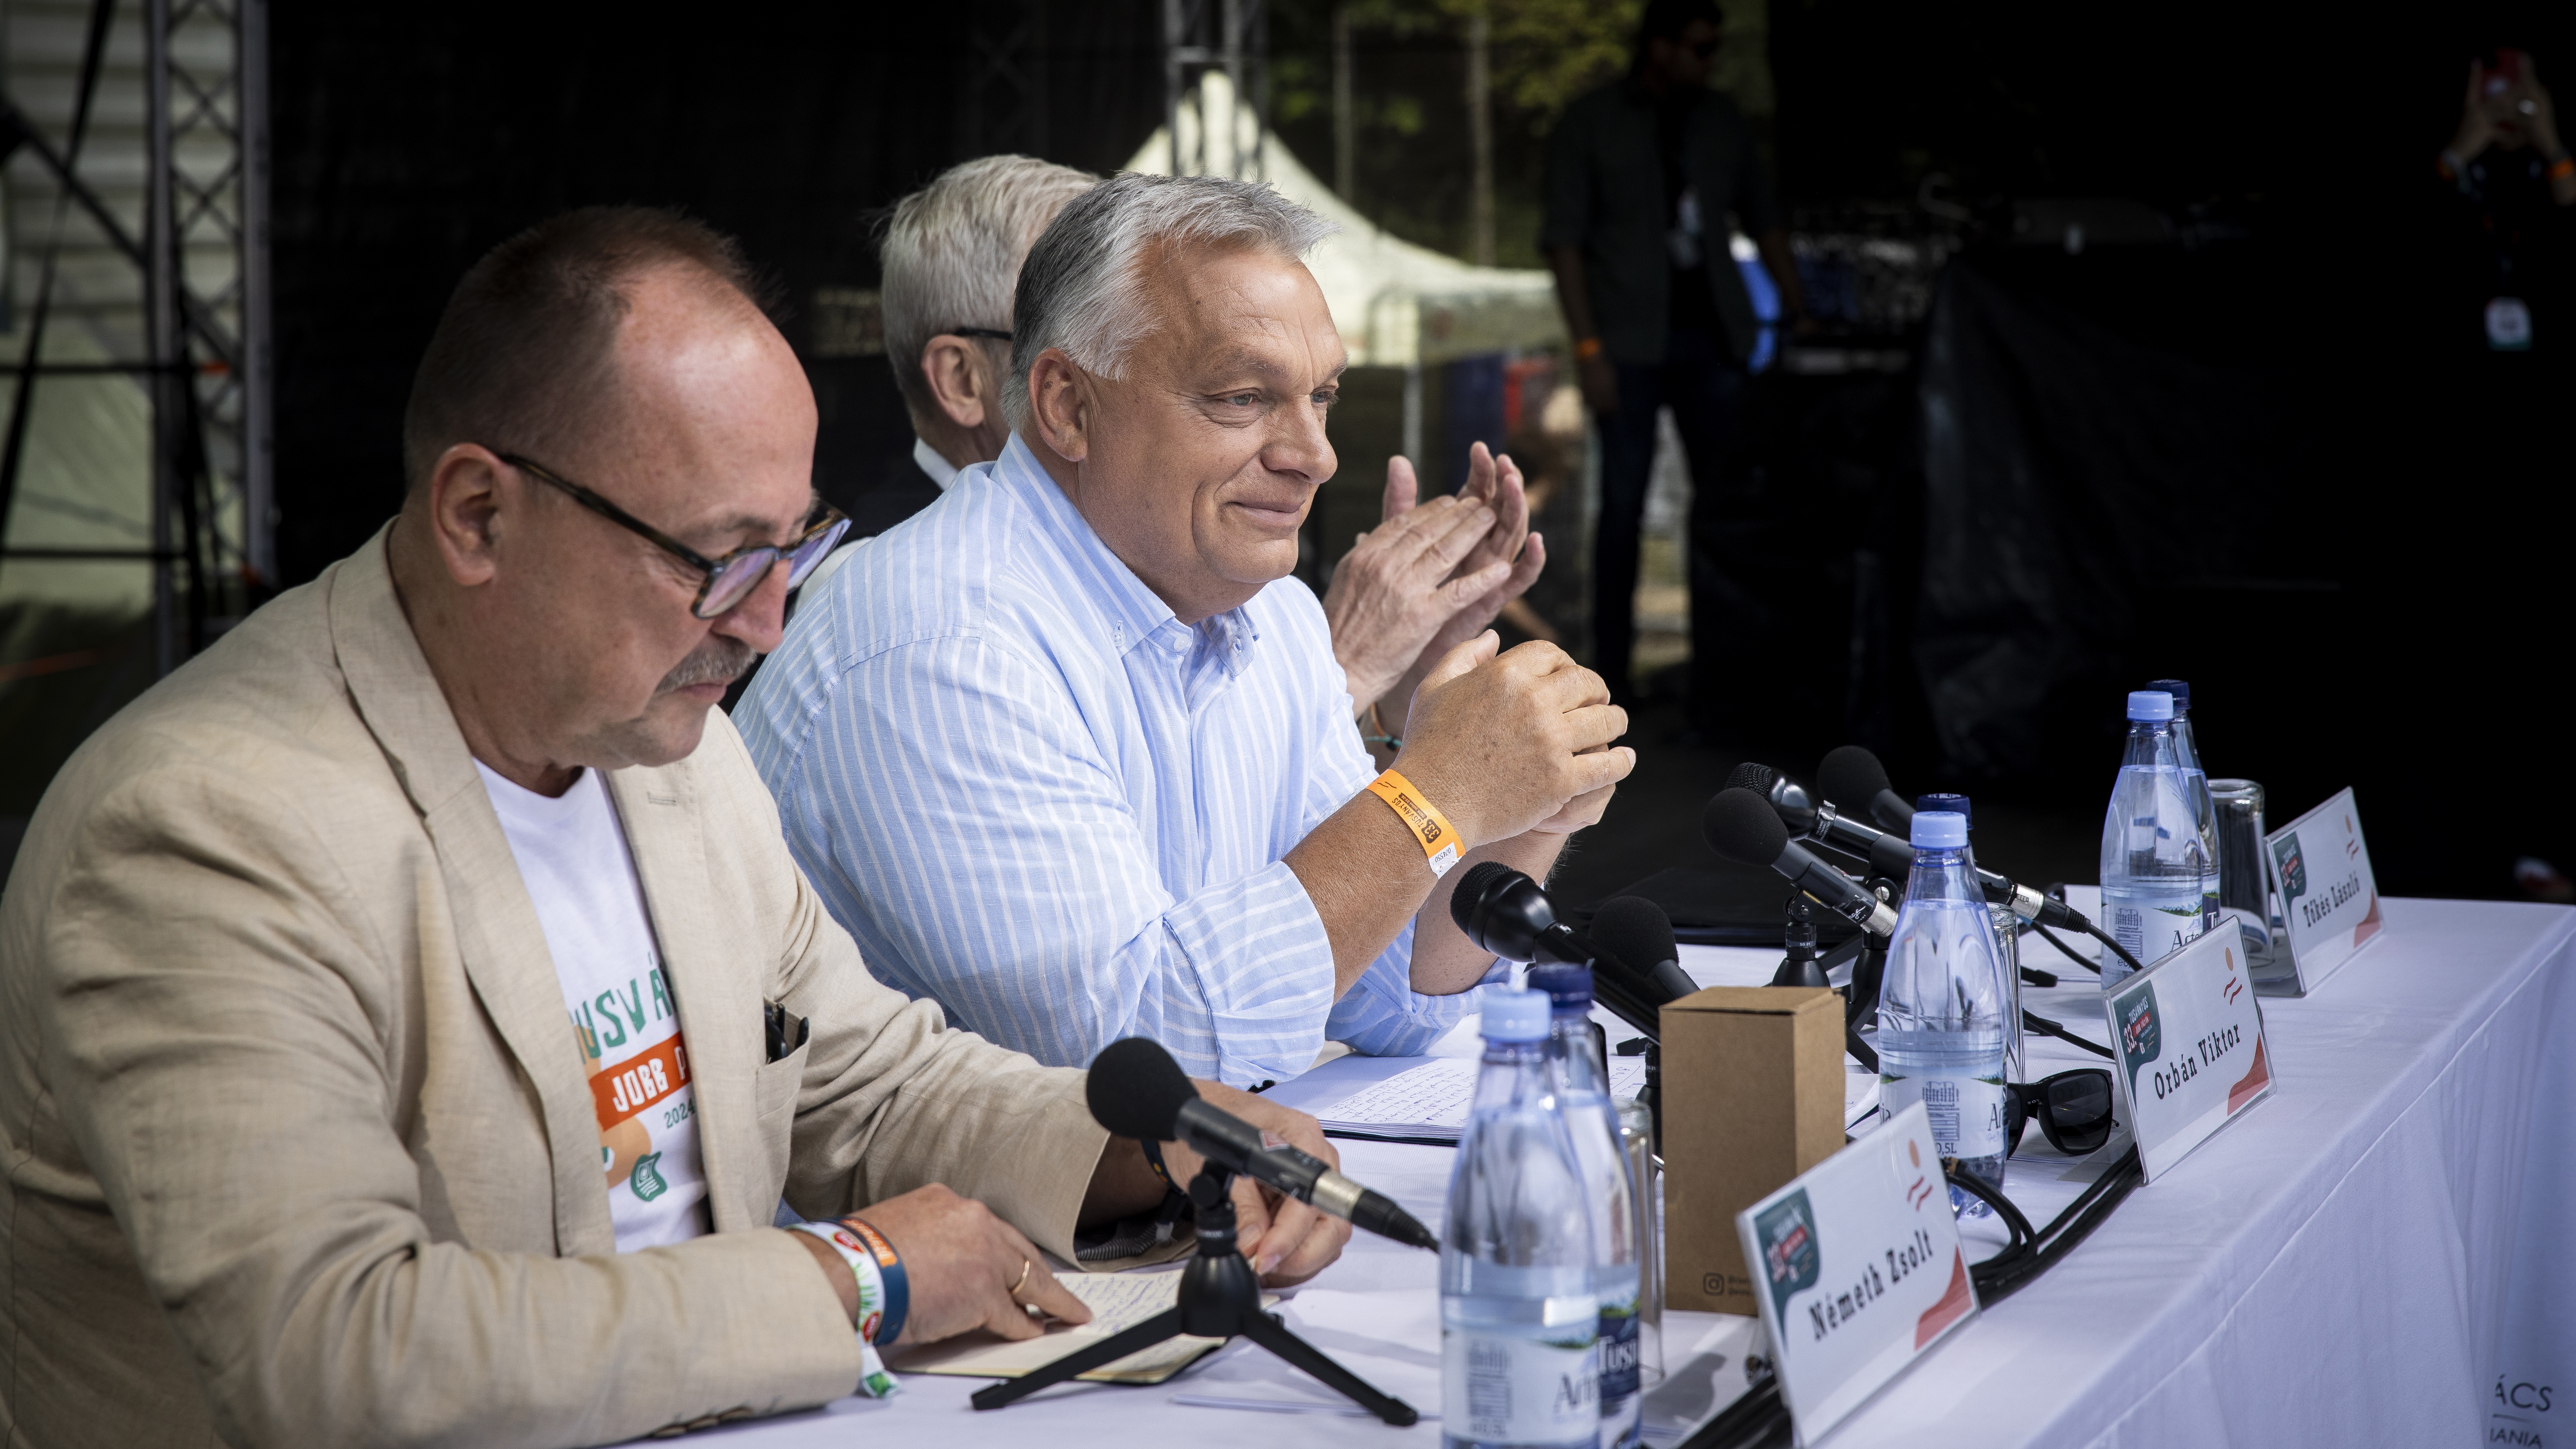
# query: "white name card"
1858, 1270
2192, 1056
2328, 896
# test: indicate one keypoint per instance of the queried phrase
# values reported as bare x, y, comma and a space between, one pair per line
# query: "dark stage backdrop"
2292, 362
410, 140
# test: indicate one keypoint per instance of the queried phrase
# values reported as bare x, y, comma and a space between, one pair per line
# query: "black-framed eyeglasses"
2073, 1108
995, 333
730, 579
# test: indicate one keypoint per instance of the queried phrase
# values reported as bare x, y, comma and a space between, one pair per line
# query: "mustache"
718, 661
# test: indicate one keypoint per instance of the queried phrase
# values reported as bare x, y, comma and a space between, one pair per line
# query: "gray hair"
951, 255
1078, 289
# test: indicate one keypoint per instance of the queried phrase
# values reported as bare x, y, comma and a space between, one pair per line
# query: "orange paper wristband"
1439, 839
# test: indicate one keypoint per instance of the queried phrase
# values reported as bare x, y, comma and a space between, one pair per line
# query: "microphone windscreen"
1635, 931
1742, 827
1467, 902
1851, 777
1137, 1090
1753, 775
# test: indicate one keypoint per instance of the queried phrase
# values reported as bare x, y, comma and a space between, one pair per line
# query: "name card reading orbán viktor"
1858, 1270
2329, 899
2192, 1057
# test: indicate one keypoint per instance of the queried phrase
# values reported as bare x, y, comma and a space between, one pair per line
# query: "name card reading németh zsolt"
1858, 1270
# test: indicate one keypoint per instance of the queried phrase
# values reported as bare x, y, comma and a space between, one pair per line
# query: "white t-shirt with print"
573, 857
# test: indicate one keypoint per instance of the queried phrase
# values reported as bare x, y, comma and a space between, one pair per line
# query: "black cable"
2053, 939
2107, 1193
2008, 1258
2097, 933
2085, 1199
1861, 1051
1759, 1420
2033, 1021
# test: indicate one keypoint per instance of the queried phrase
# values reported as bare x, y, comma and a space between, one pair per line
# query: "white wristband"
874, 1381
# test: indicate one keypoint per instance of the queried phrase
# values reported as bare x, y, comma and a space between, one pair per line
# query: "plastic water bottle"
1582, 1082
2158, 885
2195, 784
2007, 940
1941, 1007
1520, 1350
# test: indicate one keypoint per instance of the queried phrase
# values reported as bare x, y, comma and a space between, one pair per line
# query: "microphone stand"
1219, 1298
1871, 967
1800, 967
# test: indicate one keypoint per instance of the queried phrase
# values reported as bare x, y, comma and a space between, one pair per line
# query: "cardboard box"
1753, 1096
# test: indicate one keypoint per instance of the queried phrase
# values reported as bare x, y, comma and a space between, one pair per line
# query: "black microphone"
1636, 932
1505, 912
1889, 852
1853, 778
1811, 819
1742, 827
1137, 1090
1797, 806
1891, 855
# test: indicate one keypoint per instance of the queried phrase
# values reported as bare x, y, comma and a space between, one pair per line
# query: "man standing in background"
1642, 178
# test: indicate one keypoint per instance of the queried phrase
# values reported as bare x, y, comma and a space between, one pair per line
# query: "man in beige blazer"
299, 1143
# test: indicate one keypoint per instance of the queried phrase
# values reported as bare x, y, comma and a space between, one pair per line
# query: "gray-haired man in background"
1070, 752
1425, 580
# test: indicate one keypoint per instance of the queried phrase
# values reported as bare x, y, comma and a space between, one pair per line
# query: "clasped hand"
1517, 741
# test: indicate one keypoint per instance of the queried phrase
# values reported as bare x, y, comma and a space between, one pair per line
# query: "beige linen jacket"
298, 1144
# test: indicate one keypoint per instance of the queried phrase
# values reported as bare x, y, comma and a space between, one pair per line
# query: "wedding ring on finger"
1031, 1309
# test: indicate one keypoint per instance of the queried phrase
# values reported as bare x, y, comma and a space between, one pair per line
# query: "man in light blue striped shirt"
1069, 752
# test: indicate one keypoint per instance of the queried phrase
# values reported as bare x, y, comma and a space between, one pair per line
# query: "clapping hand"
1429, 578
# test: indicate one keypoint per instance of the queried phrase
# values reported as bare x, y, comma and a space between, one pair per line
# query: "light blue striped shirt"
1036, 796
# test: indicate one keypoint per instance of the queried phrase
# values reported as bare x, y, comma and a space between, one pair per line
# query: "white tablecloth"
2376, 1256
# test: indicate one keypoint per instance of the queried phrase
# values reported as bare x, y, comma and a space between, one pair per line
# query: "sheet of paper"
1118, 1301
1430, 1100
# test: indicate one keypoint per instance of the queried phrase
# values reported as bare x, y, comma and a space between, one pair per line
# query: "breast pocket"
773, 1091
773, 1100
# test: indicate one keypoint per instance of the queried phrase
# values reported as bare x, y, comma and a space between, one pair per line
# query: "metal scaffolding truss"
1228, 35
135, 133
1002, 100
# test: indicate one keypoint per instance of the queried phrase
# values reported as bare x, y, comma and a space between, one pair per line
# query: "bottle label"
1967, 1112
2152, 929
1619, 1370
1530, 1384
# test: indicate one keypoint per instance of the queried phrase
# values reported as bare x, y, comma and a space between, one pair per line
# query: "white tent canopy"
1395, 303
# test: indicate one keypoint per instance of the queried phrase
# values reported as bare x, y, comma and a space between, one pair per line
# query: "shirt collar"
927, 458
1133, 611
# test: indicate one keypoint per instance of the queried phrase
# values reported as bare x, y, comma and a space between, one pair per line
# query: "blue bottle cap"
1939, 830
1515, 1015
1947, 801
2150, 706
1568, 988
2179, 689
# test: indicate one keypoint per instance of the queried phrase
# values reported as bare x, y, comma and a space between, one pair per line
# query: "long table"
2373, 1257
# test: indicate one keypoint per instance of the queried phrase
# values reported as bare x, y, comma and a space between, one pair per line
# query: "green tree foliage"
1547, 52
